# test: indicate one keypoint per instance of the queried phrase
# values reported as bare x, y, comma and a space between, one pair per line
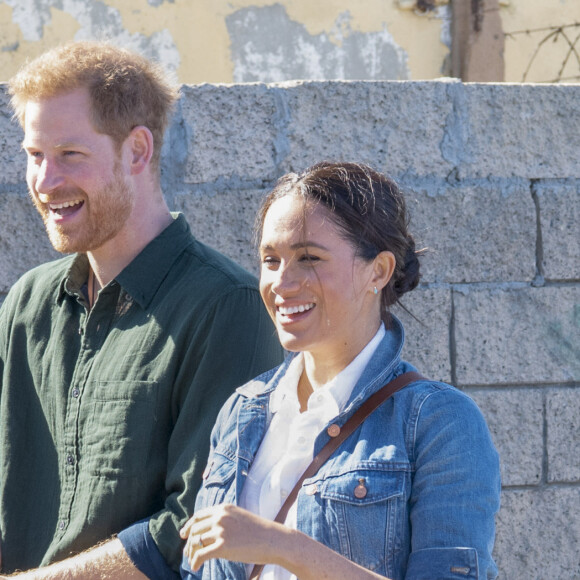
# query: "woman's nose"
286, 280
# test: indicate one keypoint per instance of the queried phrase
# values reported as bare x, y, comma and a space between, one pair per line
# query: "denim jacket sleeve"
455, 490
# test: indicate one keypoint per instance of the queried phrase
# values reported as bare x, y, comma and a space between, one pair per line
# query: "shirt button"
70, 459
76, 393
61, 525
301, 440
283, 493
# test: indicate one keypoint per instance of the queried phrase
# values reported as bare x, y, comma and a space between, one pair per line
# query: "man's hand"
106, 561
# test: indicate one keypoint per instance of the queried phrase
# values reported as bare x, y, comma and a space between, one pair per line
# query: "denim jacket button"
311, 489
360, 491
333, 430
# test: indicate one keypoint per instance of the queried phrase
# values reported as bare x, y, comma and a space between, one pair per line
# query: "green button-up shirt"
105, 413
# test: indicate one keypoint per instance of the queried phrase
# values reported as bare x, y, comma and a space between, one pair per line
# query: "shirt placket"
93, 328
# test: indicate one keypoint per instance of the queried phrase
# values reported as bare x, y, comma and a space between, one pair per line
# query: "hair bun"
409, 274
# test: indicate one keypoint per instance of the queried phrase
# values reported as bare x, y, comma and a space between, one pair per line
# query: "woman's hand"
231, 532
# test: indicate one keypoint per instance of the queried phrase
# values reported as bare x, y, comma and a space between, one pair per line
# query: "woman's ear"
140, 148
383, 268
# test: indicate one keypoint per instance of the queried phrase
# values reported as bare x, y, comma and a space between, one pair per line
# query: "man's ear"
383, 268
139, 145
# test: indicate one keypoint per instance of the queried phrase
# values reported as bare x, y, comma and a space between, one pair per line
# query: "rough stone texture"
518, 130
228, 229
538, 534
23, 241
334, 120
563, 420
473, 232
230, 132
11, 135
518, 335
427, 335
516, 421
560, 226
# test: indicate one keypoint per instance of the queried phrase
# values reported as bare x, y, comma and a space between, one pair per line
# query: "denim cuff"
144, 553
443, 563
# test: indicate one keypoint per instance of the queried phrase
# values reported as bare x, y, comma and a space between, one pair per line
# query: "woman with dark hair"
413, 490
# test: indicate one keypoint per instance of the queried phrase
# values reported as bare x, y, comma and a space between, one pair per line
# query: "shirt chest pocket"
365, 510
116, 424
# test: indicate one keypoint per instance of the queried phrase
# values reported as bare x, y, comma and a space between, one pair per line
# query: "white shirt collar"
336, 392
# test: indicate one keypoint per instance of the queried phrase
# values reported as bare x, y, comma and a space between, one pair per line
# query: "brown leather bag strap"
337, 436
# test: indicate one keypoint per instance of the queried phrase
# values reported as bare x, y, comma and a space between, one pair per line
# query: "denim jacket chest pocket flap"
220, 469
218, 478
360, 486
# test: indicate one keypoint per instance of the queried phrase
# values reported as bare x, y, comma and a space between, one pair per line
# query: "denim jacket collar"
377, 373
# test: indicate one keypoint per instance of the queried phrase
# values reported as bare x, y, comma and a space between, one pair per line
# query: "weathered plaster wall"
240, 40
493, 183
270, 41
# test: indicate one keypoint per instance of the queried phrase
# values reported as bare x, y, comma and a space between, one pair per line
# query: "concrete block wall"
492, 179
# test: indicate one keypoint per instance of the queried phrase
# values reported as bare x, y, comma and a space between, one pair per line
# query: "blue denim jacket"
425, 457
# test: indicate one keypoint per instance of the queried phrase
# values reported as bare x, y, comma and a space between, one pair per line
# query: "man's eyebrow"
70, 143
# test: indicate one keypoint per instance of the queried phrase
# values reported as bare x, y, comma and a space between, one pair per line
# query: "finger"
202, 554
184, 531
199, 517
195, 548
192, 543
197, 542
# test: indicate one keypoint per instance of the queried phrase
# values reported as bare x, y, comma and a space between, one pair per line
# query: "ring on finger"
200, 541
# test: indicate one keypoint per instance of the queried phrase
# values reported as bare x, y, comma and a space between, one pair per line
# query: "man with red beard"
115, 359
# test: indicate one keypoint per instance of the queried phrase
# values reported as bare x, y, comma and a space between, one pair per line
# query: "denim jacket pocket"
217, 478
365, 511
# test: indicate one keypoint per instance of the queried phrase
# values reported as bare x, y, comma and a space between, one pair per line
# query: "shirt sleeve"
234, 343
456, 490
144, 553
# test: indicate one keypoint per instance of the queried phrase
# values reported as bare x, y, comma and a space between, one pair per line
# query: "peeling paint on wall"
266, 45
224, 41
96, 20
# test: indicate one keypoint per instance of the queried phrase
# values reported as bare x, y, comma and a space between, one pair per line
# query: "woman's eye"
309, 259
270, 260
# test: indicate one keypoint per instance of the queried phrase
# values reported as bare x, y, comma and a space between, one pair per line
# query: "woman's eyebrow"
297, 246
307, 244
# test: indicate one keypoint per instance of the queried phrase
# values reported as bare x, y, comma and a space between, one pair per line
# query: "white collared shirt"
288, 445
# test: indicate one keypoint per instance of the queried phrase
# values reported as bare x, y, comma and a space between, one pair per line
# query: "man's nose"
47, 177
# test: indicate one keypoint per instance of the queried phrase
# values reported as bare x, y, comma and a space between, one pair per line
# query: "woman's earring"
375, 290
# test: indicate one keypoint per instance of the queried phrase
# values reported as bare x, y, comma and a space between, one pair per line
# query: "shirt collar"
74, 278
337, 390
342, 385
143, 276
286, 393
